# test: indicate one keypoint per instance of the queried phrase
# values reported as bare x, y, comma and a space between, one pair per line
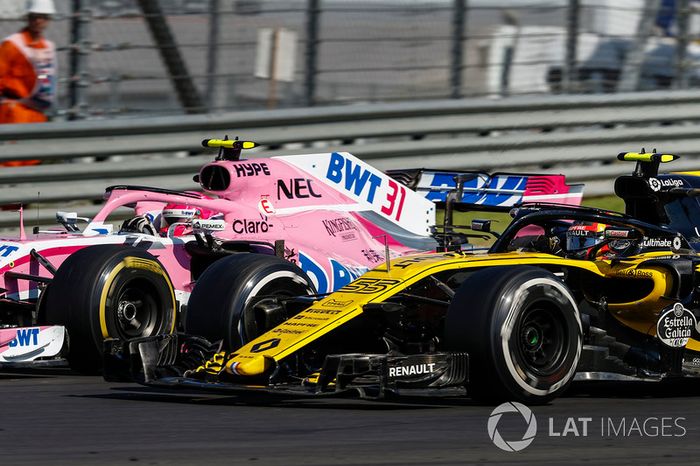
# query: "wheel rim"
137, 309
541, 339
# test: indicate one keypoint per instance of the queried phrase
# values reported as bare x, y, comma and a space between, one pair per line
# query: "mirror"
481, 225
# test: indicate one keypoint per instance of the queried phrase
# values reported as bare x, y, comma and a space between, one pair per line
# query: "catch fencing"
575, 135
217, 52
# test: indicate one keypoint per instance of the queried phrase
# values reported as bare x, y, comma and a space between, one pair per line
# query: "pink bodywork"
337, 215
323, 223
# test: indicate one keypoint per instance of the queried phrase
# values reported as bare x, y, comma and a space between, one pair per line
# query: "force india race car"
564, 292
315, 222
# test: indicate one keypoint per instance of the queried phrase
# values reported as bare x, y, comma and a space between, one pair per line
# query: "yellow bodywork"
229, 143
260, 355
646, 157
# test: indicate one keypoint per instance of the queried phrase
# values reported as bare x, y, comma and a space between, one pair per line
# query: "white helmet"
41, 7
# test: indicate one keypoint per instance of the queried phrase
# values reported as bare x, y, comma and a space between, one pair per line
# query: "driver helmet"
583, 239
176, 219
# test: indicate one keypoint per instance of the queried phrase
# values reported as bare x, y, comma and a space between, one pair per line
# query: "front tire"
109, 291
522, 330
222, 305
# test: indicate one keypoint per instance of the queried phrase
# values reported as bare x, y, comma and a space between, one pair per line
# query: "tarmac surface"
55, 417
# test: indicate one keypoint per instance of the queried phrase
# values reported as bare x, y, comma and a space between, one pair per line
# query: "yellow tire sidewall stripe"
135, 263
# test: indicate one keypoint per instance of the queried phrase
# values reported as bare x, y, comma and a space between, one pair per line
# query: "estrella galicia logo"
512, 445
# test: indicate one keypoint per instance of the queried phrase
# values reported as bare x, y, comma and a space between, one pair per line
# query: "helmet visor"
579, 243
173, 215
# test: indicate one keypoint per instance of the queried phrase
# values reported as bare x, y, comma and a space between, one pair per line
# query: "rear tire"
222, 304
109, 291
522, 331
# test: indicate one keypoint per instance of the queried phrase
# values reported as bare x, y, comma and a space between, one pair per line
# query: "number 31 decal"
392, 208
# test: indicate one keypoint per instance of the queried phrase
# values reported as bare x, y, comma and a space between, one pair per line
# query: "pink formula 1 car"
288, 225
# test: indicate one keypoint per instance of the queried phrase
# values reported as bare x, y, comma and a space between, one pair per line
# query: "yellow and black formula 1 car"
563, 293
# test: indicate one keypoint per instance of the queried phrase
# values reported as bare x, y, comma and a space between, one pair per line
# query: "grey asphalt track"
63, 419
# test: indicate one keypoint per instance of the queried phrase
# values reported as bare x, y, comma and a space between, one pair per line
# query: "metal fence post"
682, 15
631, 75
80, 49
212, 52
187, 92
570, 75
312, 13
458, 20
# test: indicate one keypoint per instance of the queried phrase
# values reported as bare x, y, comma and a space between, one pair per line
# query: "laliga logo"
528, 436
656, 184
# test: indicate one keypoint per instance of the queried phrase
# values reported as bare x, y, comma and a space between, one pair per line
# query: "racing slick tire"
222, 303
109, 291
522, 330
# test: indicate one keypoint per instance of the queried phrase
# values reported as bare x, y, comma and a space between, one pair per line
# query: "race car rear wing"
647, 162
500, 191
645, 191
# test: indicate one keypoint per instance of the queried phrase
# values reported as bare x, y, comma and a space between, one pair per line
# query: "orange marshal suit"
27, 81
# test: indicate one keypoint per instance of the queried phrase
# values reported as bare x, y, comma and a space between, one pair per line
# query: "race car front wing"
33, 347
169, 361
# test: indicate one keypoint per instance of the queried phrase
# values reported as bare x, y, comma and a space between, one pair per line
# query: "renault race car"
563, 293
314, 222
